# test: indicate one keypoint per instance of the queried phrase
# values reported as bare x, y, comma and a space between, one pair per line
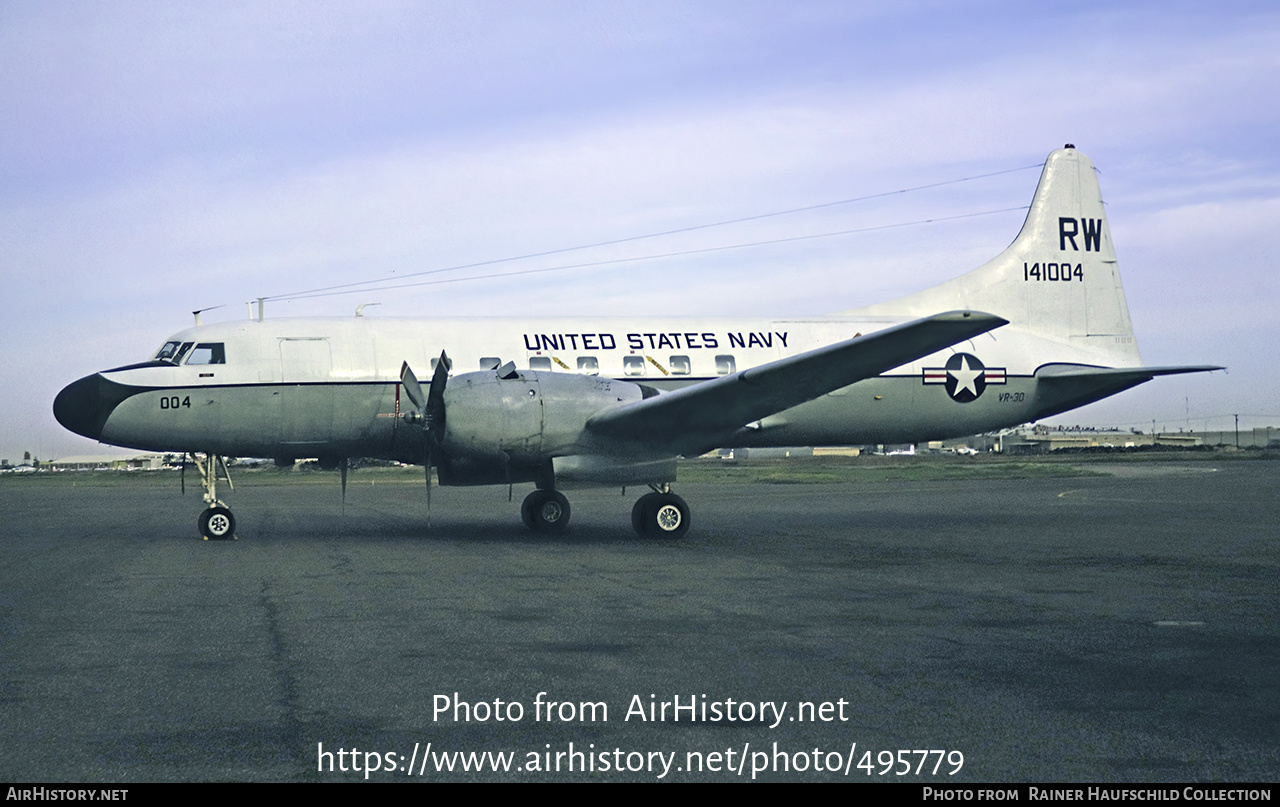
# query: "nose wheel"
216, 523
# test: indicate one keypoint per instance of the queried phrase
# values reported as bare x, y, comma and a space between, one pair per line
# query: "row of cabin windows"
631, 365
215, 353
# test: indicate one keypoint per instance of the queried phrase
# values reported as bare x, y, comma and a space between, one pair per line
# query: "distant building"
1265, 437
1040, 438
141, 462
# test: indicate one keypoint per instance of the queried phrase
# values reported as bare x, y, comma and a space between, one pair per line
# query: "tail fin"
1058, 279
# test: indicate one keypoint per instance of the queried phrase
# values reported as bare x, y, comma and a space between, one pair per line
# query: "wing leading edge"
697, 418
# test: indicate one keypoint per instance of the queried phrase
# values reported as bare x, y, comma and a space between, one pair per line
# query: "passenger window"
540, 363
633, 365
589, 365
490, 363
725, 365
208, 353
680, 365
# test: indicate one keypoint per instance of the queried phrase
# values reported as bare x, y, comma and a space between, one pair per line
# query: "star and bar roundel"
964, 377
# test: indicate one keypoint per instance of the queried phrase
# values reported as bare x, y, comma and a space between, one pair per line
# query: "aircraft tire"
526, 509
217, 524
665, 515
639, 521
545, 511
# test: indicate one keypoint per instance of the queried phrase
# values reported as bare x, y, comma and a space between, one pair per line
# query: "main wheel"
545, 511
526, 508
661, 515
639, 521
217, 524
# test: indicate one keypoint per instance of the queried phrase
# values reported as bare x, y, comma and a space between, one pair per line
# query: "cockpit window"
166, 352
173, 351
208, 353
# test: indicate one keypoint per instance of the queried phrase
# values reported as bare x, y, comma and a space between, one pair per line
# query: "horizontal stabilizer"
700, 417
1065, 371
1065, 386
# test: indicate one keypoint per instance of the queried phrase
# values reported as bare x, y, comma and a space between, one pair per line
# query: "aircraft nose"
83, 406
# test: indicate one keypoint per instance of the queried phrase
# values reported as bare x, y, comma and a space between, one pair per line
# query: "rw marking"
1069, 228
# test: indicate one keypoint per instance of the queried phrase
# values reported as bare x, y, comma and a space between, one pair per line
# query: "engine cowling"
499, 429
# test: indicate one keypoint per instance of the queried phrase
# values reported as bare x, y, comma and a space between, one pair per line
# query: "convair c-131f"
1042, 328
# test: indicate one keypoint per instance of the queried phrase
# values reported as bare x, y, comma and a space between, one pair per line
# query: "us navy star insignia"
964, 376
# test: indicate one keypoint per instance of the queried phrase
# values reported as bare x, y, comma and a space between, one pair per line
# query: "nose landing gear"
216, 523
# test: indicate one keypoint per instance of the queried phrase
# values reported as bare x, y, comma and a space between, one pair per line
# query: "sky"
158, 158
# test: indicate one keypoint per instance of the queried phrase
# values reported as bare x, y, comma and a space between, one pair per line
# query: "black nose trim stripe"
84, 406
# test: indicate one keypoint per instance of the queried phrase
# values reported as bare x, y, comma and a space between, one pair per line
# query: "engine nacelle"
529, 417
593, 470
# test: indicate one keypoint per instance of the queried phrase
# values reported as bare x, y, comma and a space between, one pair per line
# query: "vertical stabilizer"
1058, 279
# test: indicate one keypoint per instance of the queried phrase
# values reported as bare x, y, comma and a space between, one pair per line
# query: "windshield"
173, 352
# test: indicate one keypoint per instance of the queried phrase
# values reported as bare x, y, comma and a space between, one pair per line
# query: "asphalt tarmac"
1119, 628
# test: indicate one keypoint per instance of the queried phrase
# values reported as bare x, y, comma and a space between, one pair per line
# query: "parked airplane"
615, 401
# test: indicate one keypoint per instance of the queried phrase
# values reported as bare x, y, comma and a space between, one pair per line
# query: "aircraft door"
306, 395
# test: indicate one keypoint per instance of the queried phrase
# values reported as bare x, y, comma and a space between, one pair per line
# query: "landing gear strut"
660, 514
545, 511
216, 523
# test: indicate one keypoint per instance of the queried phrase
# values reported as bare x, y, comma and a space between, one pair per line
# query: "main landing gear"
660, 514
545, 511
216, 523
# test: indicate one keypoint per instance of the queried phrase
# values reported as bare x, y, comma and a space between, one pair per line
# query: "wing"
697, 418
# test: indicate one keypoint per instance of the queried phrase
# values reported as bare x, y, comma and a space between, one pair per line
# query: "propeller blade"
411, 386
435, 399
430, 413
